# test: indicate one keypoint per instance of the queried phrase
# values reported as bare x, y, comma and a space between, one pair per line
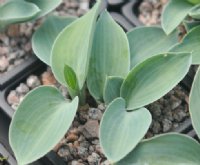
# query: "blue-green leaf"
112, 89
190, 43
44, 37
121, 131
73, 47
45, 5
168, 149
174, 13
194, 103
146, 42
154, 78
39, 123
110, 55
16, 12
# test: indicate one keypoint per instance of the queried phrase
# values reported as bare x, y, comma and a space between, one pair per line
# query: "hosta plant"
17, 11
187, 12
124, 71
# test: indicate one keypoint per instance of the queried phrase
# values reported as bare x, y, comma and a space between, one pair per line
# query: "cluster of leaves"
125, 71
17, 11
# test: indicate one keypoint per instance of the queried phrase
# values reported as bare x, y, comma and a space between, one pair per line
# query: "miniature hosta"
124, 71
17, 11
190, 43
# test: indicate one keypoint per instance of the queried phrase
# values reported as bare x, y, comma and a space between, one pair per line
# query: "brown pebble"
48, 79
13, 98
76, 144
13, 30
91, 129
72, 138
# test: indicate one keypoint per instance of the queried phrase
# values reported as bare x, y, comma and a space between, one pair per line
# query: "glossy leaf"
174, 13
153, 78
146, 42
44, 37
110, 55
195, 103
121, 131
190, 43
112, 89
45, 5
39, 123
73, 47
16, 12
168, 149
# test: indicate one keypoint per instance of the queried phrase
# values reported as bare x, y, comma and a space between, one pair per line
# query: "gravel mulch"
150, 11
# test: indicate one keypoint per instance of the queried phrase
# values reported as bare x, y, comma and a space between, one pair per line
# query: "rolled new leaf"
16, 12
168, 149
153, 78
44, 37
72, 81
121, 131
112, 89
110, 55
146, 42
73, 47
174, 13
45, 5
194, 1
39, 123
190, 44
194, 103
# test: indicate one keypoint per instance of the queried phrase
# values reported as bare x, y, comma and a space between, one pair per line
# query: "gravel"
169, 112
15, 46
150, 11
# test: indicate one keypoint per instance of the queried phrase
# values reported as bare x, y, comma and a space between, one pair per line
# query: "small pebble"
95, 114
74, 162
72, 137
22, 89
4, 63
167, 125
83, 152
64, 152
33, 81
93, 159
13, 97
48, 78
91, 129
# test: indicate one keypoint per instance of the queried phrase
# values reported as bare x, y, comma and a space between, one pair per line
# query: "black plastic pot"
126, 9
130, 12
9, 76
